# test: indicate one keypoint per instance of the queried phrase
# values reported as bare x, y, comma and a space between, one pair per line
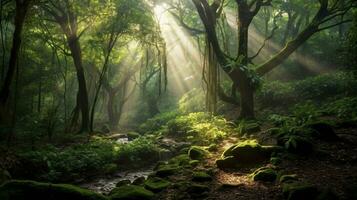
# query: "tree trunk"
21, 10
73, 43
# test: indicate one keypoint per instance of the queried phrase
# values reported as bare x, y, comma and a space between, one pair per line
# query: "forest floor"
333, 166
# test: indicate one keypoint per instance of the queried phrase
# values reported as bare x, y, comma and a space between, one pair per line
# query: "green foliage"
202, 127
156, 123
345, 108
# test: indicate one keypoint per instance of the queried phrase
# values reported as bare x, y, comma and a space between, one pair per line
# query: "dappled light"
178, 100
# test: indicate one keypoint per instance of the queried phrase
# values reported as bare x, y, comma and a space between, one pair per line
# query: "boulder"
156, 184
166, 170
19, 190
265, 175
139, 181
245, 154
123, 182
197, 153
131, 192
201, 177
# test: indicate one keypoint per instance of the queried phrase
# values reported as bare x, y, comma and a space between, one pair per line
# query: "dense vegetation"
178, 99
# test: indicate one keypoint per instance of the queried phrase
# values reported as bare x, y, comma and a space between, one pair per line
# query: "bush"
155, 123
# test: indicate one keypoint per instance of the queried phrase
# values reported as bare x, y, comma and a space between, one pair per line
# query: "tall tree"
22, 7
237, 68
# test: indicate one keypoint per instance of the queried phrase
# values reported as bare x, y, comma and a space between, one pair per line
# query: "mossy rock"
123, 182
167, 170
229, 162
245, 154
197, 153
110, 168
288, 178
180, 160
201, 177
156, 184
19, 190
131, 192
265, 175
323, 130
299, 145
133, 135
299, 191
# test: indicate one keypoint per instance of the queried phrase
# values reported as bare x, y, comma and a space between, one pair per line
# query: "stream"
104, 185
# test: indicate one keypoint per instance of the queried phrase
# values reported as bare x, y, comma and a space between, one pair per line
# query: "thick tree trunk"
21, 10
75, 48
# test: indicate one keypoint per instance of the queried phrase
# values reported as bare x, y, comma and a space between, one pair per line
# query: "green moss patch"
131, 192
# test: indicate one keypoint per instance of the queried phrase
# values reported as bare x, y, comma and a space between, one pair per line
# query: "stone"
201, 177
139, 181
156, 184
265, 175
288, 178
123, 182
324, 131
197, 153
133, 135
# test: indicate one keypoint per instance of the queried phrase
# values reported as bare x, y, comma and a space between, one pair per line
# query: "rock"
265, 175
324, 131
166, 170
288, 178
197, 153
131, 192
245, 154
123, 182
299, 145
229, 162
299, 191
4, 176
156, 184
139, 181
133, 135
180, 160
201, 177
110, 168
19, 190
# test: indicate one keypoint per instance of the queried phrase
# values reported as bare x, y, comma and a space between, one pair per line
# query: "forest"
178, 99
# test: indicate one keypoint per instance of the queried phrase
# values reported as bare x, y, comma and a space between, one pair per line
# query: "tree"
22, 7
242, 76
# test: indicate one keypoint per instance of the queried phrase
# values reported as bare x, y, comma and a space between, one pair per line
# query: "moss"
197, 153
18, 190
298, 191
166, 170
180, 160
265, 174
201, 177
139, 181
244, 154
156, 184
131, 192
288, 178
